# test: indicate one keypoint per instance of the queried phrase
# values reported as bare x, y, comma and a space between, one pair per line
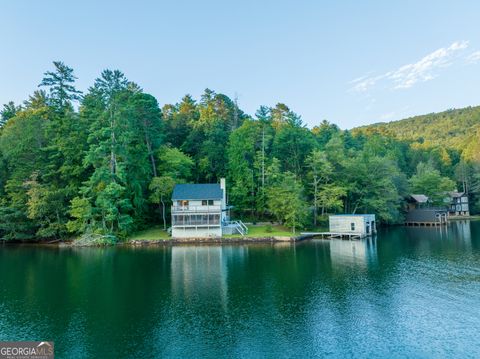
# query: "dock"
425, 224
331, 235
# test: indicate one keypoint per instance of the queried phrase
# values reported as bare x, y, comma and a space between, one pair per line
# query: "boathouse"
433, 216
360, 225
200, 210
420, 212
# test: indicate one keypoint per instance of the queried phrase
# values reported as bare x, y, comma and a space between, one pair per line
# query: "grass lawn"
259, 231
153, 233
254, 231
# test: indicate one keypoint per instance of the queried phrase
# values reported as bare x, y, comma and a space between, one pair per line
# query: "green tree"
161, 189
60, 83
330, 197
285, 201
292, 145
8, 111
373, 186
82, 216
175, 164
326, 195
180, 120
427, 180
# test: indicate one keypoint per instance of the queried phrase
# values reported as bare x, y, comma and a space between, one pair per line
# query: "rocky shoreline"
166, 242
221, 240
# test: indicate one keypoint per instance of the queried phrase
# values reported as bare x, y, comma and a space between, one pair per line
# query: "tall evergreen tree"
60, 83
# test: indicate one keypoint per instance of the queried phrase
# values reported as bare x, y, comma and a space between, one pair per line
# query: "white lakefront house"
200, 210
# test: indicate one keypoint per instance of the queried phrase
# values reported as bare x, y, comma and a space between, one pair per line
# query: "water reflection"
411, 292
199, 271
357, 253
461, 229
457, 234
202, 271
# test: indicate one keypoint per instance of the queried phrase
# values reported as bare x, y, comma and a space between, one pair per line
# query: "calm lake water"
411, 292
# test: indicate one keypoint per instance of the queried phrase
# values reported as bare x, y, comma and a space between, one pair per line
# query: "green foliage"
430, 182
174, 163
82, 215
326, 195
161, 189
8, 111
60, 84
286, 202
448, 129
106, 168
330, 197
14, 224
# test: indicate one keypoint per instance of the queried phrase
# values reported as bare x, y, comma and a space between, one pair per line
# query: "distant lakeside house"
200, 210
421, 212
459, 205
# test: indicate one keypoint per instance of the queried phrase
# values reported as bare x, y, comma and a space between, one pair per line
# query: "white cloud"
408, 75
364, 83
474, 57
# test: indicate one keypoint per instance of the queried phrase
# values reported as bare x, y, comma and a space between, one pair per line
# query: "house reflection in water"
202, 271
461, 229
361, 253
456, 229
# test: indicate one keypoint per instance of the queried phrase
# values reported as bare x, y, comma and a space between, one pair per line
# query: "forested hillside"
457, 129
104, 162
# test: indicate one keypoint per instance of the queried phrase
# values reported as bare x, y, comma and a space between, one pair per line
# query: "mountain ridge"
457, 129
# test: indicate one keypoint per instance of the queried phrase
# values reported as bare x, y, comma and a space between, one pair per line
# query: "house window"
178, 220
182, 203
207, 202
352, 226
213, 219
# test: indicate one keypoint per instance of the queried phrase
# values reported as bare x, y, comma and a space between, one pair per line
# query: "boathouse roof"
420, 198
197, 191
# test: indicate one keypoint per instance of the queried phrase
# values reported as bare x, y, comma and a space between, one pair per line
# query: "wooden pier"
338, 235
425, 224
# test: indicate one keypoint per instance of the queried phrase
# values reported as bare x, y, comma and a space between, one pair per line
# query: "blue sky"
349, 62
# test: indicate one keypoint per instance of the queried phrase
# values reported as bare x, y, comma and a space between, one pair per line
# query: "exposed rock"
216, 240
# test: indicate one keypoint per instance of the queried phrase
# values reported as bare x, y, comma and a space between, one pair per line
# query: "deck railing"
196, 219
212, 208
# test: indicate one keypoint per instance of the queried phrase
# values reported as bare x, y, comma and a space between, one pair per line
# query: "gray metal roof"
420, 198
457, 194
197, 191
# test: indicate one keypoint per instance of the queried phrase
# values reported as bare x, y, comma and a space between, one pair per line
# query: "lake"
410, 292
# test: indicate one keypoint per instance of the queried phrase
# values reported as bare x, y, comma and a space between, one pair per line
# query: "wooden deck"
340, 235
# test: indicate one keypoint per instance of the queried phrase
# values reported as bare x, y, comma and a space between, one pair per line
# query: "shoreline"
166, 242
219, 240
185, 241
